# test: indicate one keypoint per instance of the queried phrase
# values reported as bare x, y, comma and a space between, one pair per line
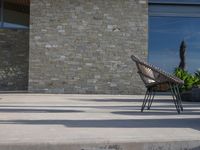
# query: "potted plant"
190, 91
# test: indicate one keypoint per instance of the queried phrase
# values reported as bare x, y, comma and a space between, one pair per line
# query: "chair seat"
159, 87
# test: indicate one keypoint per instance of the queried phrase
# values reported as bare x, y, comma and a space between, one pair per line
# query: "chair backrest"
151, 74
145, 73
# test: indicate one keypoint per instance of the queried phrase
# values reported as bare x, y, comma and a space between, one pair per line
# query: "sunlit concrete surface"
90, 122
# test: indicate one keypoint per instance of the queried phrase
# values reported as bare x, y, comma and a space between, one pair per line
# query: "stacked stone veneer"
14, 52
84, 46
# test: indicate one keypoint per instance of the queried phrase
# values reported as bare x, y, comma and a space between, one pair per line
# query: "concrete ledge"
96, 122
170, 145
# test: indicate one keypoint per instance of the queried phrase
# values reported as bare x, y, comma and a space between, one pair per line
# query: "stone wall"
84, 46
14, 55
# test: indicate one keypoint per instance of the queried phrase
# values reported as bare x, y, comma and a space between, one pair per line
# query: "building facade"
78, 47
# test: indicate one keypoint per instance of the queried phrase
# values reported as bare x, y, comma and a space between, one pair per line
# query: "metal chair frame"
159, 77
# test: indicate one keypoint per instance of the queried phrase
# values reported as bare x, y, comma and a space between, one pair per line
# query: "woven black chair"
157, 80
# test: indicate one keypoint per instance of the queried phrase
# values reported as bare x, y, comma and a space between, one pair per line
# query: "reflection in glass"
1, 17
16, 13
165, 36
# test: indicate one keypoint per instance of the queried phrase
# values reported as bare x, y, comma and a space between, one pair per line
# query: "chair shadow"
105, 100
156, 112
123, 100
163, 109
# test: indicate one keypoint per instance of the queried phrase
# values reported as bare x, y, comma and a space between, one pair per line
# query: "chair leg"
144, 101
179, 97
146, 98
175, 95
174, 98
151, 100
172, 93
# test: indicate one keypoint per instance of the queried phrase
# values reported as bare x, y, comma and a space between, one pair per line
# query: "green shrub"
190, 80
197, 74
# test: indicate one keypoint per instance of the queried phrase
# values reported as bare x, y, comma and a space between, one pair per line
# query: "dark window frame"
2, 26
174, 8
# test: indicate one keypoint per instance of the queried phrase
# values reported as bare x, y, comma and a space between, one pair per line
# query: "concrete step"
167, 145
96, 122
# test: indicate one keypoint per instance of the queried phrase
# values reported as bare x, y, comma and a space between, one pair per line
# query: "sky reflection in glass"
165, 36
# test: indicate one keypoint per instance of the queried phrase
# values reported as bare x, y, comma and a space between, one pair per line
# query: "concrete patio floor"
95, 122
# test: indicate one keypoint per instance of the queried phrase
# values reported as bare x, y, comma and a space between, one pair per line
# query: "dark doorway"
14, 44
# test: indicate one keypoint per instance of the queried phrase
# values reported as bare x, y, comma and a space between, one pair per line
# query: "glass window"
16, 13
165, 36
1, 17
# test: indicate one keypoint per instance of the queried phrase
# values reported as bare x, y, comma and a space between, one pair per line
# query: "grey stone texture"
14, 56
84, 46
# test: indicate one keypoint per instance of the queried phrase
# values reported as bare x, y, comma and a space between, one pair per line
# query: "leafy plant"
197, 74
190, 80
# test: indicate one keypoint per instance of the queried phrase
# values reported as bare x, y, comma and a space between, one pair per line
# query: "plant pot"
191, 96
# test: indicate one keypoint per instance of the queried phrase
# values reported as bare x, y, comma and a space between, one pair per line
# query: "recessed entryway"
14, 44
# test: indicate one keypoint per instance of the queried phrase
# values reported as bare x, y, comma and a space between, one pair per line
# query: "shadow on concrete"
193, 123
120, 110
156, 112
88, 106
123, 100
195, 104
37, 111
111, 100
196, 148
191, 105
